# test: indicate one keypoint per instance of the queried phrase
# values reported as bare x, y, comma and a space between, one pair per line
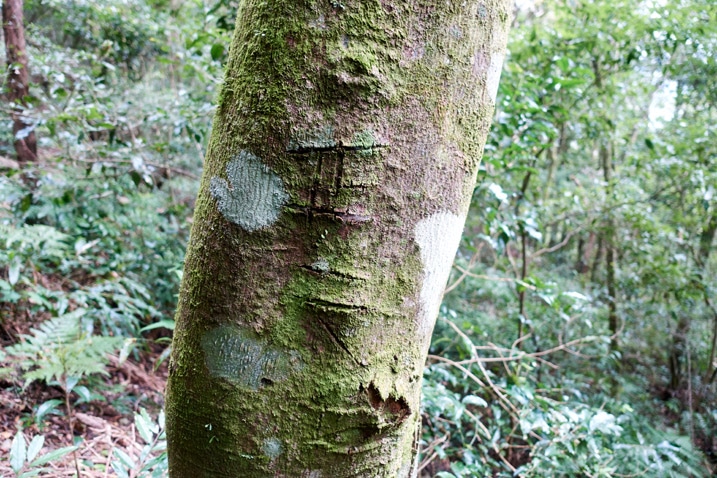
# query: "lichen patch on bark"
272, 447
438, 237
494, 68
233, 354
252, 195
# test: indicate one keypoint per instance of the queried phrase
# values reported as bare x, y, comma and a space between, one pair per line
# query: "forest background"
578, 332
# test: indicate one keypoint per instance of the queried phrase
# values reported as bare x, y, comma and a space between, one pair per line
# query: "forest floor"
99, 426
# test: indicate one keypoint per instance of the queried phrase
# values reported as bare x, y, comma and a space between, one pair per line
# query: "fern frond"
59, 348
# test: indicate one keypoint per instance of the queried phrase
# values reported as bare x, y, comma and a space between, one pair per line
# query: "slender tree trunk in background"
18, 79
597, 260
522, 318
679, 344
703, 259
343, 158
606, 159
580, 266
554, 156
684, 324
706, 239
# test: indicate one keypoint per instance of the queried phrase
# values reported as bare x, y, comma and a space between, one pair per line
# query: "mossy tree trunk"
18, 79
344, 153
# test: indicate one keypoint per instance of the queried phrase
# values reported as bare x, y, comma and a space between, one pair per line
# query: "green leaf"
69, 383
45, 408
53, 455
18, 452
125, 459
474, 400
166, 323
144, 427
13, 272
136, 177
160, 419
605, 423
35, 446
84, 393
126, 349
217, 51
120, 469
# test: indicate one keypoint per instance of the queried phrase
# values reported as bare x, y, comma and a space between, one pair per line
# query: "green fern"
59, 349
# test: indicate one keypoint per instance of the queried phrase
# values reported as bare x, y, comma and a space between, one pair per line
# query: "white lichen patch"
438, 237
272, 447
494, 69
236, 355
253, 195
321, 265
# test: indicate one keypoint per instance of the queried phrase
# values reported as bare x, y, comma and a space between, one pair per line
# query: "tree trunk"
679, 348
703, 260
18, 79
337, 179
613, 325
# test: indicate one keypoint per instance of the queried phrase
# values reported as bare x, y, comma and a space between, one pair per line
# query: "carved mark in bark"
337, 340
338, 319
340, 307
329, 176
322, 267
306, 149
335, 214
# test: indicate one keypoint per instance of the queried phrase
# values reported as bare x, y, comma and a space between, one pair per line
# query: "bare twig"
181, 172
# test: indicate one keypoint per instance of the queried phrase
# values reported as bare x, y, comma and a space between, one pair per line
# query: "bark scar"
395, 409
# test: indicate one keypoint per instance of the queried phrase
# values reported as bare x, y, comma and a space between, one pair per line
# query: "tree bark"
337, 179
18, 79
609, 232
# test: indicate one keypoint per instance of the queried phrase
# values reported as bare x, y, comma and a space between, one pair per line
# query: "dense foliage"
578, 335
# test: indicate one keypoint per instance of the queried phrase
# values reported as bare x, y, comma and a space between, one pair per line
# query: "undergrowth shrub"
492, 411
83, 240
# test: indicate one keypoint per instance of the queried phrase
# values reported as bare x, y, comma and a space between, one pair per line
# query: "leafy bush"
87, 236
126, 33
509, 421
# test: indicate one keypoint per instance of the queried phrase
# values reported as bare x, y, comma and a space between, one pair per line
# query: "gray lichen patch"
321, 265
316, 140
241, 358
272, 447
253, 196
